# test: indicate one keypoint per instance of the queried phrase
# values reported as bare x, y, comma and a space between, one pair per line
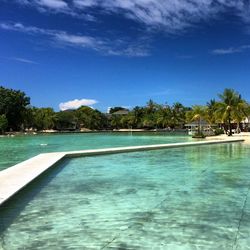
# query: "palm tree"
231, 107
196, 114
163, 116
149, 117
210, 113
138, 113
178, 114
151, 106
241, 112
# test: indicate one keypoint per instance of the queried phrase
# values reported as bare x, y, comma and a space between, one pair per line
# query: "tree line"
17, 114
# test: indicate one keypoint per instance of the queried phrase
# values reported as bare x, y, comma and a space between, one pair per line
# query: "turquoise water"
19, 148
186, 198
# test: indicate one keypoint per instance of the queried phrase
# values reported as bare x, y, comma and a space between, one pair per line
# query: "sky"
106, 53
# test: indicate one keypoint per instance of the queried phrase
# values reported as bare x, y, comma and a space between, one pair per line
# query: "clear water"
186, 198
20, 148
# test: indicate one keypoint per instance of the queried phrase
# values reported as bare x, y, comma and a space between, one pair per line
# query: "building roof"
196, 123
121, 112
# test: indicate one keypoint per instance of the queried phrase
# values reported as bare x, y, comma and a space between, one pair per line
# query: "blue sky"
107, 53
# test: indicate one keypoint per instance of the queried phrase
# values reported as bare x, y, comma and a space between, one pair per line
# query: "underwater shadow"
14, 206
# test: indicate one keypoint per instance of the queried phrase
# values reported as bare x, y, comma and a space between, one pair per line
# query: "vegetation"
13, 105
210, 111
115, 109
3, 123
218, 131
87, 117
197, 114
16, 114
43, 118
231, 108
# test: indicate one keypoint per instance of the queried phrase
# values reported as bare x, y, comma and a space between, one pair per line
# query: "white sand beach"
242, 135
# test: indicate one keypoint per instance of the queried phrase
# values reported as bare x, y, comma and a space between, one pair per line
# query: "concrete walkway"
15, 178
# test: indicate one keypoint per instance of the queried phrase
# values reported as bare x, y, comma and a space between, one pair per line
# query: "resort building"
205, 127
121, 112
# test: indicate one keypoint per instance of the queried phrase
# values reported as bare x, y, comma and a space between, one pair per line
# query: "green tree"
29, 117
163, 117
84, 117
116, 121
13, 105
100, 120
138, 113
66, 120
43, 118
115, 109
3, 123
241, 112
149, 121
231, 107
90, 118
211, 113
178, 115
151, 107
149, 118
196, 114
130, 120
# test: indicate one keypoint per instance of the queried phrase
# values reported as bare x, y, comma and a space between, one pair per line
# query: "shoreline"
94, 131
242, 135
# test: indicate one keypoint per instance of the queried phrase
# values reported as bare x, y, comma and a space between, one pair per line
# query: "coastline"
94, 131
242, 135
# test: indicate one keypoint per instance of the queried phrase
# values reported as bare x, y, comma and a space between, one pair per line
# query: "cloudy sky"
102, 53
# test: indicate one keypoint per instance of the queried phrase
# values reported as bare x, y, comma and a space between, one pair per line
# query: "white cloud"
226, 51
232, 50
51, 6
85, 3
169, 15
62, 36
22, 60
108, 110
75, 104
25, 29
55, 4
245, 47
113, 47
78, 40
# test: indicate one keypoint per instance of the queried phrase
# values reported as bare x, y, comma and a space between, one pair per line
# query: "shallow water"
19, 148
186, 198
